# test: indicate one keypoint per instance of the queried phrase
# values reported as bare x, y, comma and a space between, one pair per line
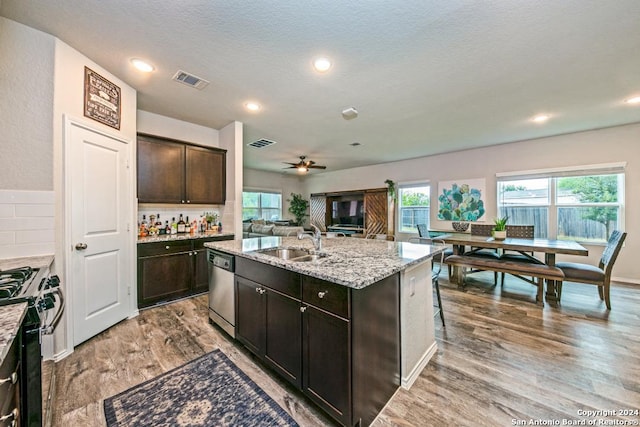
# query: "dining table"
550, 248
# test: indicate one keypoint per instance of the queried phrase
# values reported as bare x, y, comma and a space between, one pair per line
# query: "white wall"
26, 102
270, 181
155, 124
610, 145
231, 137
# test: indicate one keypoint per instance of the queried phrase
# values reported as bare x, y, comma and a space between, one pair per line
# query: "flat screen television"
348, 211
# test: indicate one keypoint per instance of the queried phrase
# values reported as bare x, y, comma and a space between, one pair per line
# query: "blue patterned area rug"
208, 391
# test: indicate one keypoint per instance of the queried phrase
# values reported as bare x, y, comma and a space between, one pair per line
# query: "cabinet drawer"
9, 370
164, 248
326, 295
279, 279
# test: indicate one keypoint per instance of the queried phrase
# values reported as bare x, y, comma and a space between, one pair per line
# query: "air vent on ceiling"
261, 143
190, 80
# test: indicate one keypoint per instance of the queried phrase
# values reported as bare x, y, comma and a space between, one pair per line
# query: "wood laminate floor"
501, 360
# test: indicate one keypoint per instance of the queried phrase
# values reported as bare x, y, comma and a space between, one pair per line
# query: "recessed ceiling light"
321, 64
252, 106
141, 65
634, 100
540, 118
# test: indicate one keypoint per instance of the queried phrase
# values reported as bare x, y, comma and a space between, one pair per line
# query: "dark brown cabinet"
172, 269
172, 171
338, 345
326, 359
10, 373
269, 322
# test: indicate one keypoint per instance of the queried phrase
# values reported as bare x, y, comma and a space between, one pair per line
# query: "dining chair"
483, 230
589, 274
435, 270
423, 231
518, 232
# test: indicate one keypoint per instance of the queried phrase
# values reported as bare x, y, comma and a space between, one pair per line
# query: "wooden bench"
518, 268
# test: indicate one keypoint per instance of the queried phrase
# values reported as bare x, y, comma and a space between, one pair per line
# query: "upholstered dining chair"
518, 232
438, 260
483, 230
600, 275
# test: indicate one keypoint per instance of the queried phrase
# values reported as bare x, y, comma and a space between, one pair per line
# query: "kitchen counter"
10, 319
41, 261
185, 236
355, 263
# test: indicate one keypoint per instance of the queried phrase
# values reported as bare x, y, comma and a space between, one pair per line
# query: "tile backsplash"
26, 223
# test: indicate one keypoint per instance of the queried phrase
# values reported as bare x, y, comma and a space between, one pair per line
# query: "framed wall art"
461, 200
101, 99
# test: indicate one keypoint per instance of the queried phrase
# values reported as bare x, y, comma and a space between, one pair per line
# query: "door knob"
81, 246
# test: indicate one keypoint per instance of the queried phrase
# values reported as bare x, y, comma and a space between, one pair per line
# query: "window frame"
553, 207
260, 207
398, 207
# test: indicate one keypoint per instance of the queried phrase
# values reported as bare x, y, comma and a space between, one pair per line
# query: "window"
413, 207
261, 205
526, 202
585, 205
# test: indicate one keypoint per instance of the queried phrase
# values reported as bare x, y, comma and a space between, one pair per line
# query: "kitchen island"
347, 328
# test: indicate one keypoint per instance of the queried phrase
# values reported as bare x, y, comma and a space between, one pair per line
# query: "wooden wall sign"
101, 99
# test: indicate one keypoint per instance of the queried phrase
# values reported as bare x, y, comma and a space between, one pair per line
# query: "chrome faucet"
316, 237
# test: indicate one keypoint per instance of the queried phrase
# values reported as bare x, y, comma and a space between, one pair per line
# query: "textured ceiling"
425, 76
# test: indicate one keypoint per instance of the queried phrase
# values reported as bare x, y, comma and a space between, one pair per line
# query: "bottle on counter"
167, 228
181, 225
174, 226
144, 228
158, 222
219, 227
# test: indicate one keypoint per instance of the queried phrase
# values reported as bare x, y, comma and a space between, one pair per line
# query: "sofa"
261, 228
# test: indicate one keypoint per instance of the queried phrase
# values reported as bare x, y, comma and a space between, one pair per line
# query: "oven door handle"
48, 329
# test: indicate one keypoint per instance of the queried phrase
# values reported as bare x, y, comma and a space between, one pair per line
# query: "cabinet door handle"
167, 247
13, 378
261, 291
190, 253
303, 309
188, 201
321, 294
181, 201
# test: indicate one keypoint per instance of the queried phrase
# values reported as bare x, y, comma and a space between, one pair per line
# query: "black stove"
42, 294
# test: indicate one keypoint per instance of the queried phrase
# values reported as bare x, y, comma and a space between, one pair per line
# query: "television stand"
347, 229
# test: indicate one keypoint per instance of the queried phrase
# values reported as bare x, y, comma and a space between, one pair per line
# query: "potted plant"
500, 228
298, 207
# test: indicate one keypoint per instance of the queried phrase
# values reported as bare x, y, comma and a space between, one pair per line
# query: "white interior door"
98, 186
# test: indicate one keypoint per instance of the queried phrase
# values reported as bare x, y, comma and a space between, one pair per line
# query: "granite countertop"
185, 236
10, 319
356, 263
40, 261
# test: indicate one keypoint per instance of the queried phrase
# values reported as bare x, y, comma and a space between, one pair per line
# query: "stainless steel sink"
296, 255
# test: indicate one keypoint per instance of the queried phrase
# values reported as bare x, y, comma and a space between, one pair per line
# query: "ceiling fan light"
302, 169
634, 100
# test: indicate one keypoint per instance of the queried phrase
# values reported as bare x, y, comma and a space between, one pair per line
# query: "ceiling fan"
304, 165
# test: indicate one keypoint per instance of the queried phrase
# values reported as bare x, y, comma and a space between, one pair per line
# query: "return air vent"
190, 80
261, 143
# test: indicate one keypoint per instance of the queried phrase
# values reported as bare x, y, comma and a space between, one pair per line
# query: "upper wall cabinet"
171, 171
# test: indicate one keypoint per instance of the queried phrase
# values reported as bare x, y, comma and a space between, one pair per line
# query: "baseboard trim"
407, 381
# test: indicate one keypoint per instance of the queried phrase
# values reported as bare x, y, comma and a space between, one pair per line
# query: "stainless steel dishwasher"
222, 290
